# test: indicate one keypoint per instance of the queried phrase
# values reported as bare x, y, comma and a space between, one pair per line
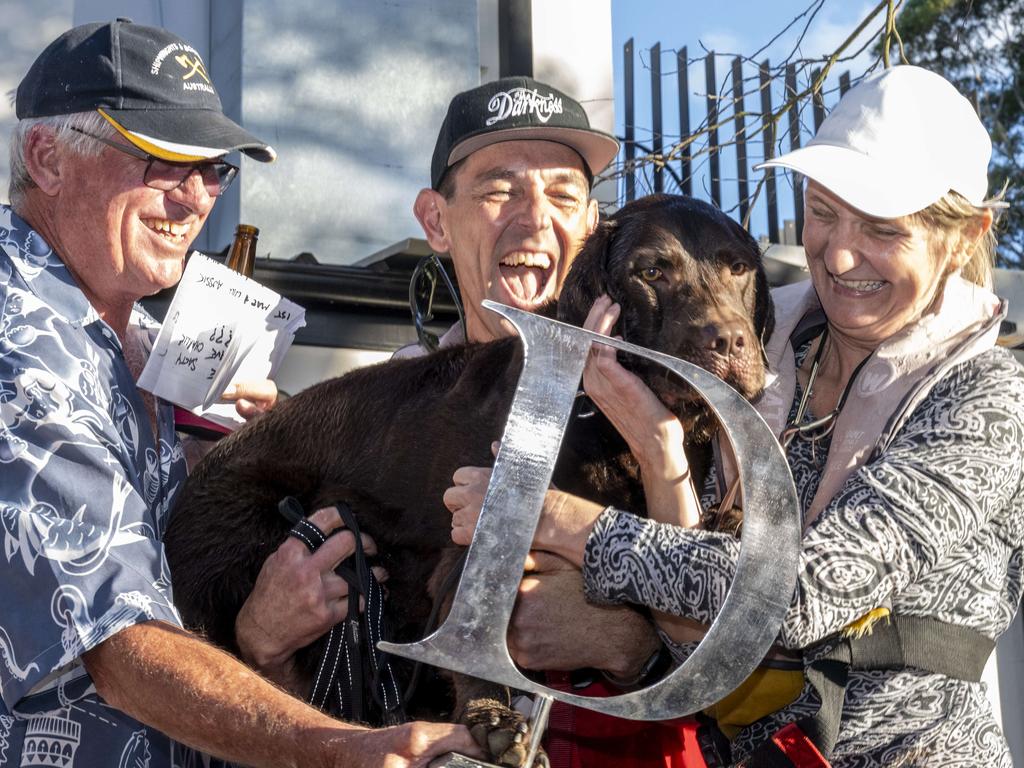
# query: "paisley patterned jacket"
934, 527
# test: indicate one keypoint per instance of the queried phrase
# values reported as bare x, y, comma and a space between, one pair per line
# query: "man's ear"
592, 216
42, 159
430, 208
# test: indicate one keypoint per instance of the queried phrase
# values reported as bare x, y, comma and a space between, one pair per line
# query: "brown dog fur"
386, 439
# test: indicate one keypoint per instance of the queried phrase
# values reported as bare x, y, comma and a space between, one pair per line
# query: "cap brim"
596, 148
868, 184
186, 135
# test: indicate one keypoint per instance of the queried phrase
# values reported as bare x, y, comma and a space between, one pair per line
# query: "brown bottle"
242, 257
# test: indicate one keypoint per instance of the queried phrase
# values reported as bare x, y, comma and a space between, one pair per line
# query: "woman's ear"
42, 159
430, 209
969, 238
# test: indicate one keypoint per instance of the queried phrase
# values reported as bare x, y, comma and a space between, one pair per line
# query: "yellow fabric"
149, 147
765, 691
865, 623
768, 690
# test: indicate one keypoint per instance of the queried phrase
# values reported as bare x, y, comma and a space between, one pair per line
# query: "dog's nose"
725, 338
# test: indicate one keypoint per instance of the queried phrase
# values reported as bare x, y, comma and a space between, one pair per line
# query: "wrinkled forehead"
520, 159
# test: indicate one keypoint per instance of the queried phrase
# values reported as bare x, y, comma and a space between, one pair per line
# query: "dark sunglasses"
217, 175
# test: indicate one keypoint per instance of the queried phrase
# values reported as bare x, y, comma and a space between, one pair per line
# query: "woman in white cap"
904, 427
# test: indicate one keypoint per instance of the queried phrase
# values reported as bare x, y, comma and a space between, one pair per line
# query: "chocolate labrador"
387, 438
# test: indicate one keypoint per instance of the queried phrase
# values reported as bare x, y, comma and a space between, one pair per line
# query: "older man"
117, 162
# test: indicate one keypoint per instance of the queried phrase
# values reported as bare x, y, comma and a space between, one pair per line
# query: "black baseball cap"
517, 109
150, 85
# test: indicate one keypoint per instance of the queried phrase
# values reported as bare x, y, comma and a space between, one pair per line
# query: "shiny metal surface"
538, 724
472, 638
455, 760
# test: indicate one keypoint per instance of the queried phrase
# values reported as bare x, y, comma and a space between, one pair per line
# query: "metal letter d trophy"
472, 639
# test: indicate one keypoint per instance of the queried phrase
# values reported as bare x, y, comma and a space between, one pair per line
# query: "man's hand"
203, 697
554, 627
297, 598
412, 745
252, 398
465, 499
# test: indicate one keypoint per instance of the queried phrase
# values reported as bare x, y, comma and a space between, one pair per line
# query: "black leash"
351, 657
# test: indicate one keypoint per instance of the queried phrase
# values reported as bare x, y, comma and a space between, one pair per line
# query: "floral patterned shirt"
85, 489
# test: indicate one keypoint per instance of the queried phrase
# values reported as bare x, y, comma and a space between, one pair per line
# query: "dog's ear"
588, 276
764, 307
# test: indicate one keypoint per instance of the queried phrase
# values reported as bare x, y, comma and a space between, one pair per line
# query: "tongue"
523, 282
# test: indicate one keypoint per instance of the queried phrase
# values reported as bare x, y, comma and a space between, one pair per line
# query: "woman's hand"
652, 432
252, 398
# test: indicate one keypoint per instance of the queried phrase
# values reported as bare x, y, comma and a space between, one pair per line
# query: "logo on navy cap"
191, 63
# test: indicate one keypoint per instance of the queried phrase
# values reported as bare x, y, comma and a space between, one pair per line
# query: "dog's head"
690, 283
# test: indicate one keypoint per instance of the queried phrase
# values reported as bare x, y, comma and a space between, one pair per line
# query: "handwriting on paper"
221, 328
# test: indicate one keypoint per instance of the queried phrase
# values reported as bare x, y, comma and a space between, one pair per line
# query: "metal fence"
653, 162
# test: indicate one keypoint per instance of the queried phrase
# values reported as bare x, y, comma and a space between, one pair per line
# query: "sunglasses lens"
216, 176
424, 285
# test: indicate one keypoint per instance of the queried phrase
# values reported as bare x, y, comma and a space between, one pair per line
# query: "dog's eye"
651, 274
739, 268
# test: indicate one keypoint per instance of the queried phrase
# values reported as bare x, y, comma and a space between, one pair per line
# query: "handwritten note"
221, 328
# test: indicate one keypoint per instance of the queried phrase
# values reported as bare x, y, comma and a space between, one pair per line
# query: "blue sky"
728, 26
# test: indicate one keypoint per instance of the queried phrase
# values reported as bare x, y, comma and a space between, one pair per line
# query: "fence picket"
768, 136
683, 79
656, 142
712, 100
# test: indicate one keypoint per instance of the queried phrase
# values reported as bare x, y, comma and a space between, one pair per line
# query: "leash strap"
917, 642
350, 658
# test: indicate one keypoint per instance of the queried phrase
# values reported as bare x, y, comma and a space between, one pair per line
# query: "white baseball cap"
896, 143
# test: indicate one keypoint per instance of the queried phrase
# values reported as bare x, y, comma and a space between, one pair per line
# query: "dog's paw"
501, 731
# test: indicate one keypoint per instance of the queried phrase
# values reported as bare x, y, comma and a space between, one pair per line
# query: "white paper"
221, 328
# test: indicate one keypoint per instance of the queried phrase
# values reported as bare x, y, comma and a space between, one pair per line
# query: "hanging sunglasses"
422, 288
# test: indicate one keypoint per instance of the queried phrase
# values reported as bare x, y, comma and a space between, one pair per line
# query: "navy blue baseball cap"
149, 84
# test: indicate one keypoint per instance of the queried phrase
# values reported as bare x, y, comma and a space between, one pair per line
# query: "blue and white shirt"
85, 489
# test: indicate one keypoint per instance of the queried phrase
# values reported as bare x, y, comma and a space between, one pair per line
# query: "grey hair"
61, 127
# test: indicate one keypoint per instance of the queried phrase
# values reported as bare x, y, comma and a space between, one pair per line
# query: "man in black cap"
510, 195
509, 200
118, 159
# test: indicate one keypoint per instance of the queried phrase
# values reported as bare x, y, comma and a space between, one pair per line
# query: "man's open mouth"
527, 277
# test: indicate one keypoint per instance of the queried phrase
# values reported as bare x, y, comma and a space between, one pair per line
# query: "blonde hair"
949, 215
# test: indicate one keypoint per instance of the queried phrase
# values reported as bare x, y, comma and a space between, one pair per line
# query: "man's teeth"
539, 260
174, 228
860, 285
